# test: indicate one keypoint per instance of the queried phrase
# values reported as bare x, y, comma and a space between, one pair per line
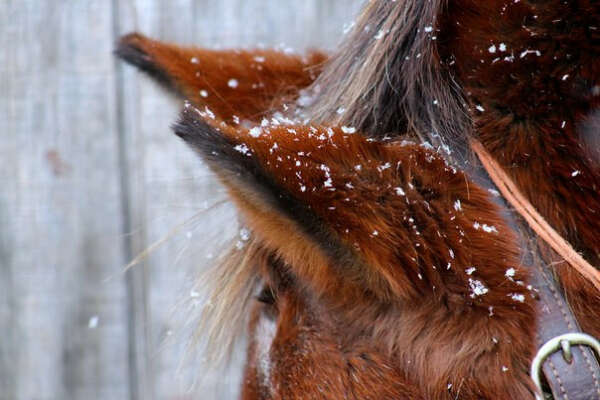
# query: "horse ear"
352, 216
255, 166
232, 83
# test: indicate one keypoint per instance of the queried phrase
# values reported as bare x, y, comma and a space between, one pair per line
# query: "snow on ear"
234, 84
391, 220
274, 190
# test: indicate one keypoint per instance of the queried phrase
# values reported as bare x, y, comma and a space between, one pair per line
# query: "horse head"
381, 266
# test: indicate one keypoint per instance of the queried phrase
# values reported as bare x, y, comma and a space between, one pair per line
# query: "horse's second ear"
234, 84
141, 52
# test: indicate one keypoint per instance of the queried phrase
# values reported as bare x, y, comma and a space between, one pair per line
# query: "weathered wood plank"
60, 213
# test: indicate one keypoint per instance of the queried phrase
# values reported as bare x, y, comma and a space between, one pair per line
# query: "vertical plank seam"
138, 362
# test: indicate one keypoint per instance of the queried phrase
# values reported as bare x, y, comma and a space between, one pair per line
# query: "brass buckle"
562, 342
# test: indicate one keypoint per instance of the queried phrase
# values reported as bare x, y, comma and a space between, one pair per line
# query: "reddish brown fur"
266, 78
526, 103
364, 304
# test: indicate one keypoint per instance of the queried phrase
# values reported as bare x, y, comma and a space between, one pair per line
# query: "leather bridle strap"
574, 375
513, 195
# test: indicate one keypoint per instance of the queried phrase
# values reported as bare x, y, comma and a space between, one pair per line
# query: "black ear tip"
129, 49
187, 123
191, 124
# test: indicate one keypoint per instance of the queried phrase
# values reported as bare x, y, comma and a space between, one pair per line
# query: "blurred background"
91, 175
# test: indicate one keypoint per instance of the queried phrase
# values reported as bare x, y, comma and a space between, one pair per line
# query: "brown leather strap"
575, 380
578, 379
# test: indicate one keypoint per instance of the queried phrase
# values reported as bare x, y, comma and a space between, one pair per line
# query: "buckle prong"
566, 351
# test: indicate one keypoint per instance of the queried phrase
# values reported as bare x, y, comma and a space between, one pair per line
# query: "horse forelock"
388, 80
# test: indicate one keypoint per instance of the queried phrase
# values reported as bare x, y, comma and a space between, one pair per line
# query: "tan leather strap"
513, 195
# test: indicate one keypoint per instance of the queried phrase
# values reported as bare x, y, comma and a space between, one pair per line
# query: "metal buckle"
562, 342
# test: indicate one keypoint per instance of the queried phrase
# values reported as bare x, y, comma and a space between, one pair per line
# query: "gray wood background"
90, 175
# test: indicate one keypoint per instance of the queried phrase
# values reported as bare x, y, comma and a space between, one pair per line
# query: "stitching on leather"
560, 384
569, 325
557, 299
589, 363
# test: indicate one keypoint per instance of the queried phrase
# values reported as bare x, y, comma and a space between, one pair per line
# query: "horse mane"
387, 79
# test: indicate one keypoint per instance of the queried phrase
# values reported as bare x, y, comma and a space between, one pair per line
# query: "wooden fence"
90, 175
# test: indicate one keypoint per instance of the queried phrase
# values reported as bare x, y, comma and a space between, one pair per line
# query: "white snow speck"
400, 191
259, 59
255, 132
375, 233
492, 48
489, 229
517, 297
194, 60
379, 35
348, 129
565, 77
340, 110
93, 322
233, 83
242, 148
457, 205
477, 288
575, 173
502, 47
479, 108
194, 294
486, 228
245, 234
203, 93
504, 368
510, 273
470, 270
526, 52
207, 113
383, 167
428, 29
